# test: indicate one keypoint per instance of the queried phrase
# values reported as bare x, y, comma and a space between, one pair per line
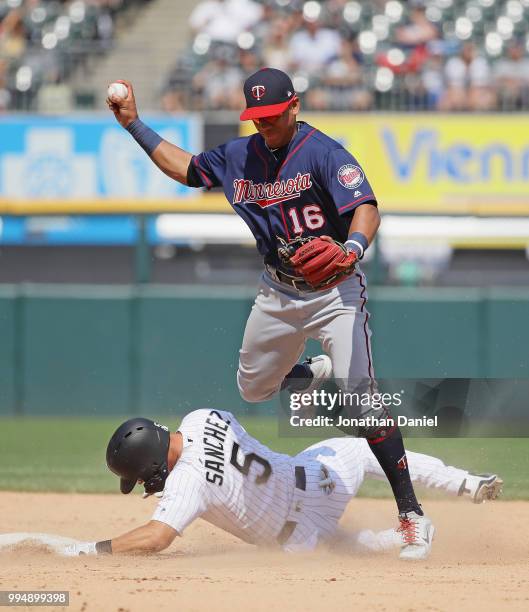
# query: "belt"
292, 281
288, 528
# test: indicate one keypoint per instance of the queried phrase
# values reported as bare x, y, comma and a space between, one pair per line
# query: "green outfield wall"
153, 350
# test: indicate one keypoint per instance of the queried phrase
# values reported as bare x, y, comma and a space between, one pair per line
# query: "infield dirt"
480, 561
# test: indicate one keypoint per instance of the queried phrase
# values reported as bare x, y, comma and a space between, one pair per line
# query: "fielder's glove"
322, 262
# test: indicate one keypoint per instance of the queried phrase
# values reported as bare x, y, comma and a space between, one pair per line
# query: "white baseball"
117, 89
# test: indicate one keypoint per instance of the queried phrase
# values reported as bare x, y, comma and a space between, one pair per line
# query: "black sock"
298, 378
391, 456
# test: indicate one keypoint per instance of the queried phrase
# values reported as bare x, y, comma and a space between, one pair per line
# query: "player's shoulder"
186, 475
195, 416
231, 149
205, 415
319, 139
240, 144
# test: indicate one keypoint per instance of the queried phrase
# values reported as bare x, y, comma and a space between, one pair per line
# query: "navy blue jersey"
311, 191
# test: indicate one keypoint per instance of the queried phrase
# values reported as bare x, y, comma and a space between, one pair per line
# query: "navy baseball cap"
268, 92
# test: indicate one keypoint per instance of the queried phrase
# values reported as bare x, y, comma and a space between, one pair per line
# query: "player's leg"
353, 542
431, 472
349, 461
273, 341
309, 375
424, 469
334, 473
345, 460
346, 337
353, 461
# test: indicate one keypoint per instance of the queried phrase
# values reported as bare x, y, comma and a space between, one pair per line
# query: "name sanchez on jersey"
213, 439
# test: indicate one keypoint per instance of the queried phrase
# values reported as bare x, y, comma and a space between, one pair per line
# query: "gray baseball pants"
281, 321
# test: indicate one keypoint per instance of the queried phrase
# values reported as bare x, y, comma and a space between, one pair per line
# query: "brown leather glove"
322, 261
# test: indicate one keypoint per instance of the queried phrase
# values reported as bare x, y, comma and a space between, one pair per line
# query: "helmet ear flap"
157, 482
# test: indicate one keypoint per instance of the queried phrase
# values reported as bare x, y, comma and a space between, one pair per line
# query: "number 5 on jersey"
248, 460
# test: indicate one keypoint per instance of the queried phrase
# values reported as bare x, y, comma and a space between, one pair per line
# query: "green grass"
61, 454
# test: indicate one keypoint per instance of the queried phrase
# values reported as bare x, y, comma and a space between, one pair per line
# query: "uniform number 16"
309, 217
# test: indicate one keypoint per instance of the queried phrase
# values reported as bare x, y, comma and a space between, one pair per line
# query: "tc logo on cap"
258, 91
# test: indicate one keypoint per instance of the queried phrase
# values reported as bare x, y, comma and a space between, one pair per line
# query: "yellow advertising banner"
474, 164
443, 164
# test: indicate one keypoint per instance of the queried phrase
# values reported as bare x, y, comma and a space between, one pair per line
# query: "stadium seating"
398, 50
389, 55
43, 41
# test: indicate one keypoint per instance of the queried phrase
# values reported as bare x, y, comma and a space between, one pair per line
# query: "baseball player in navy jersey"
313, 213
211, 468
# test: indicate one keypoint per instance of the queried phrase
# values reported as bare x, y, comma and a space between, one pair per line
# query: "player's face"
278, 130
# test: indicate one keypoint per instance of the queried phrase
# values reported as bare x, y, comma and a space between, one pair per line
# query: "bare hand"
124, 109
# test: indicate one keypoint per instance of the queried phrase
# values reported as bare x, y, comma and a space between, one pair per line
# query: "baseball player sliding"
211, 468
313, 214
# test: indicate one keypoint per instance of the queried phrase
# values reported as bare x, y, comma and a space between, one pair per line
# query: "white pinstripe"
256, 513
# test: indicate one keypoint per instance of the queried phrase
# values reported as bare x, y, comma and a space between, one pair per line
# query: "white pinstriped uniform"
236, 491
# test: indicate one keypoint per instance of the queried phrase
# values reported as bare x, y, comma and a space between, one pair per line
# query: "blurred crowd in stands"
42, 42
452, 55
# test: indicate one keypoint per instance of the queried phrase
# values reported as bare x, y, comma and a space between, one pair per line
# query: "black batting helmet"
138, 451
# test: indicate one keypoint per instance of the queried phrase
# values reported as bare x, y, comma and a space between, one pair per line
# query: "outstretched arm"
171, 160
152, 537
